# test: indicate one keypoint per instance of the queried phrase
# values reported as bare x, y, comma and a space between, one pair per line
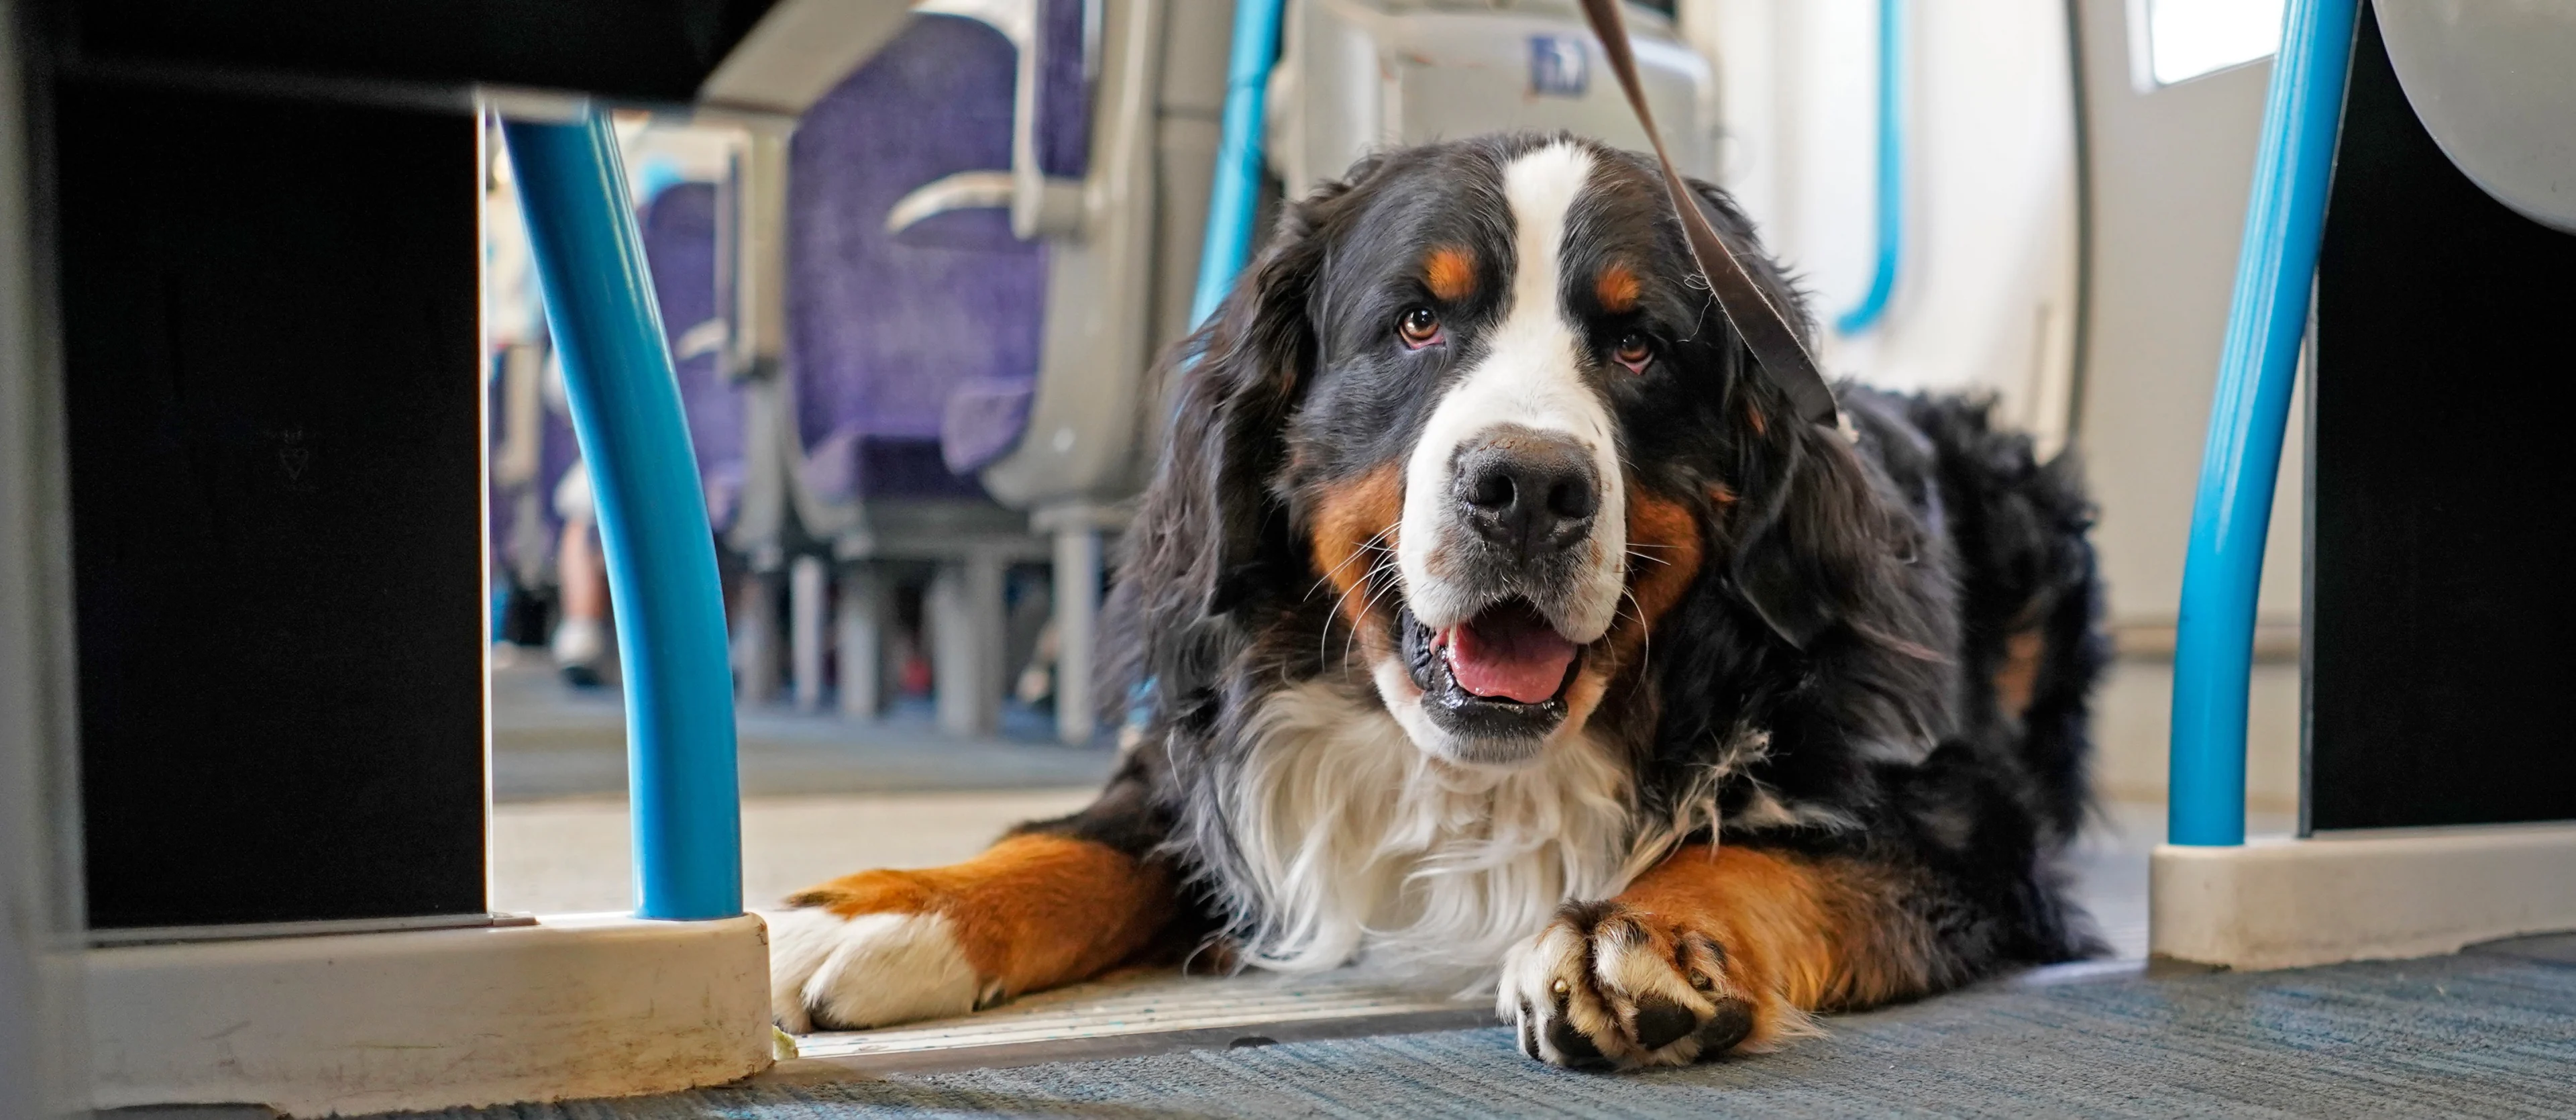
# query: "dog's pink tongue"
1509, 654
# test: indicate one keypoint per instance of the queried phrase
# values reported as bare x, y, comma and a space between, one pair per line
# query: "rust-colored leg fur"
1035, 911
1713, 949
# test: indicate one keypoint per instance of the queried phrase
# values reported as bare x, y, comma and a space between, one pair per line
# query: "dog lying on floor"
1495, 622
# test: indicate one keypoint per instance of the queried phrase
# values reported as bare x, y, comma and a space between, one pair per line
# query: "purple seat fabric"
851, 464
882, 330
1064, 90
983, 421
679, 228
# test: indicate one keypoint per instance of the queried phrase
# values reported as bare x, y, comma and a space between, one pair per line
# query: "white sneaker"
579, 642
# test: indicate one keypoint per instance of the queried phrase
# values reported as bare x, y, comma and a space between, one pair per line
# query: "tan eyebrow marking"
1451, 273
1617, 287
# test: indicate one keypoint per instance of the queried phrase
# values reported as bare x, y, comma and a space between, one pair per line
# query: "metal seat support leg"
967, 638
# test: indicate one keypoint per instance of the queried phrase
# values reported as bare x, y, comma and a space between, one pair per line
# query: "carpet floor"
2485, 1033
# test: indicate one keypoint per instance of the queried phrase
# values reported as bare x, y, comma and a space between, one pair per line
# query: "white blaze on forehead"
1531, 374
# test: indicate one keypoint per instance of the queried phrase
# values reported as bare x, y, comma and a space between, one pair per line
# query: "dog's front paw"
1035, 911
1607, 985
830, 970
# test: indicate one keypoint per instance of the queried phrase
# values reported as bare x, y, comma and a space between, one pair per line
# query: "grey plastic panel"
1090, 415
799, 51
2495, 84
1359, 75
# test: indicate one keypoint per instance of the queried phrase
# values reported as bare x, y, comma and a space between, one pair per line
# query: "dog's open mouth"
1502, 673
1508, 652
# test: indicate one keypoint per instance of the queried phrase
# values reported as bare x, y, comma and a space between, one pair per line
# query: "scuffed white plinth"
2283, 903
573, 1006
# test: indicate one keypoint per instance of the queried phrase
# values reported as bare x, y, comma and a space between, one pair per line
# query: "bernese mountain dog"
1487, 619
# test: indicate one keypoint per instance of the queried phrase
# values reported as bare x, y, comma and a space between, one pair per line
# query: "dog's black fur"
1839, 651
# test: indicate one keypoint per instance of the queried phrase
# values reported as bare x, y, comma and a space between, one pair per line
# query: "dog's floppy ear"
1818, 542
1209, 523
1785, 545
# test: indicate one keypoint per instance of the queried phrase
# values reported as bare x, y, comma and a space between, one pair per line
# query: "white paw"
827, 972
1607, 986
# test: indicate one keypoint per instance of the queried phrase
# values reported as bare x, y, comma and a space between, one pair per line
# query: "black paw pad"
1733, 1021
1660, 1021
1570, 1042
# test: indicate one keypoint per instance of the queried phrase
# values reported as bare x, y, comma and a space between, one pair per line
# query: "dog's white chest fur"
1362, 846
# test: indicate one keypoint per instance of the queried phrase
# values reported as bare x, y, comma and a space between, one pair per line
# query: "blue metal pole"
1236, 194
1891, 171
685, 795
2284, 221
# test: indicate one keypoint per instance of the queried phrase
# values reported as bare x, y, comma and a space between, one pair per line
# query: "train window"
2178, 40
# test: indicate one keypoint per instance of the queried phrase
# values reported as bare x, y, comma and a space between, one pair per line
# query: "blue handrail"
1236, 195
2284, 221
1891, 172
626, 411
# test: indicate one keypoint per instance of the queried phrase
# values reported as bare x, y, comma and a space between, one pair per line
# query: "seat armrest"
1041, 205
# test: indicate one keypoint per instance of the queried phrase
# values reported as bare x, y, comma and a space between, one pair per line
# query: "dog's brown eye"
1420, 327
1635, 350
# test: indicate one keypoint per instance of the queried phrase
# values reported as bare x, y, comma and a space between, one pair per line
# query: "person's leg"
581, 635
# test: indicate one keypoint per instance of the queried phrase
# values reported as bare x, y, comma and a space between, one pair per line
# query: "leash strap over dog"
1765, 330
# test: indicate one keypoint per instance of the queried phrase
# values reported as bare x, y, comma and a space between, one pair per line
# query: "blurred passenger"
580, 643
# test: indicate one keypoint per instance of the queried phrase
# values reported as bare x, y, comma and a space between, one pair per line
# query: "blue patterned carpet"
2489, 1033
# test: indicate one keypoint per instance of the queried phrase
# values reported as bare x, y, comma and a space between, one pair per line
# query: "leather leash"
1765, 330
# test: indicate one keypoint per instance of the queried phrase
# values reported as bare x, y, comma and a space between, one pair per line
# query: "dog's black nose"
1531, 492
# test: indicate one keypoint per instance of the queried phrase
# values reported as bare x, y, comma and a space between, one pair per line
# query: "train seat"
885, 322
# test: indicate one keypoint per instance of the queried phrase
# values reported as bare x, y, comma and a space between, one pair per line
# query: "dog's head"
1472, 417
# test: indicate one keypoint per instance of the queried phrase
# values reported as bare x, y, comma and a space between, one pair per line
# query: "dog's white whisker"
1364, 547
1394, 580
1323, 640
1645, 632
